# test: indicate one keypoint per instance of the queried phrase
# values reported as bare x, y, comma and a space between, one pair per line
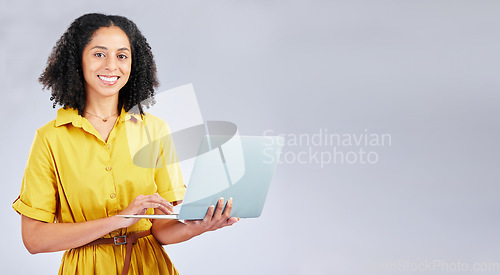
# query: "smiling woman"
80, 175
106, 63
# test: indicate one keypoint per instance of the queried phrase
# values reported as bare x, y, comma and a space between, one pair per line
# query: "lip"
109, 80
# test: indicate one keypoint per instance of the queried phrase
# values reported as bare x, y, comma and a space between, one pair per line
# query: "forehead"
109, 37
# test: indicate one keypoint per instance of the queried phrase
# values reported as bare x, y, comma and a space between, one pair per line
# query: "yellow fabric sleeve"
38, 198
168, 175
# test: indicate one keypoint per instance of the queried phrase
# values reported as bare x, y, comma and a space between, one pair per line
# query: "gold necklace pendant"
104, 119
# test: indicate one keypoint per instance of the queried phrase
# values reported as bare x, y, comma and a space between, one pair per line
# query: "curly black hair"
64, 75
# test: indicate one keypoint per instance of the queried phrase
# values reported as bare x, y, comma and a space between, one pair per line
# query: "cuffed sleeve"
38, 198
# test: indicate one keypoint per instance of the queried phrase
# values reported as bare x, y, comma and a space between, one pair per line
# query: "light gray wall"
423, 72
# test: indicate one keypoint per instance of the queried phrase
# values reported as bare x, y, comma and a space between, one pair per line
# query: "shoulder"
153, 119
58, 125
44, 136
47, 130
155, 122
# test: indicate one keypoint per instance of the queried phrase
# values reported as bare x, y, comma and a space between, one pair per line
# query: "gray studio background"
424, 72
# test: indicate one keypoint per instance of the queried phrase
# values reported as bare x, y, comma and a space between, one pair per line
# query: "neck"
105, 106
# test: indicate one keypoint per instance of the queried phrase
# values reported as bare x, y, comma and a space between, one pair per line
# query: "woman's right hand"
140, 205
39, 236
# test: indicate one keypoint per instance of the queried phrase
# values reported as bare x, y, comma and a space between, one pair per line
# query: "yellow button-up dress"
73, 175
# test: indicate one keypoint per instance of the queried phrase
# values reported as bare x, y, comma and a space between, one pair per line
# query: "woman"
80, 173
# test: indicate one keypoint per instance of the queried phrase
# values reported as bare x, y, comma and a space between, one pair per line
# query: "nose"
111, 63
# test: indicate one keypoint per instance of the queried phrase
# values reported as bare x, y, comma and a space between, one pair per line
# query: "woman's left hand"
214, 219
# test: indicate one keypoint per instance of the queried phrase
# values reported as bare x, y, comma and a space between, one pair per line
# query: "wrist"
117, 222
194, 230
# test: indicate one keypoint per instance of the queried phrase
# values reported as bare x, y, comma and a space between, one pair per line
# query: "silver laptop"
238, 167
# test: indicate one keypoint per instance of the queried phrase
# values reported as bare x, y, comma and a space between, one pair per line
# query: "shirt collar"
70, 115
124, 116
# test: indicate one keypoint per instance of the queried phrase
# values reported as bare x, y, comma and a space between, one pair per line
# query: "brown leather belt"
128, 240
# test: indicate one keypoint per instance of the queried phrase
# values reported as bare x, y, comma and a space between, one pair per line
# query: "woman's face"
106, 62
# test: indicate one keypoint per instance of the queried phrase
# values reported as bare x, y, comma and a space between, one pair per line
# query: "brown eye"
122, 56
99, 55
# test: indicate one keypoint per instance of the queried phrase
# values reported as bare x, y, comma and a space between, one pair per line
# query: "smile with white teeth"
108, 79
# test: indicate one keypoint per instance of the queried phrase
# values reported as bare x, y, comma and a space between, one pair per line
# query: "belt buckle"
115, 240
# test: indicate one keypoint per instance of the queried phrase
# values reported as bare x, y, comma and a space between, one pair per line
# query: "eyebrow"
104, 48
